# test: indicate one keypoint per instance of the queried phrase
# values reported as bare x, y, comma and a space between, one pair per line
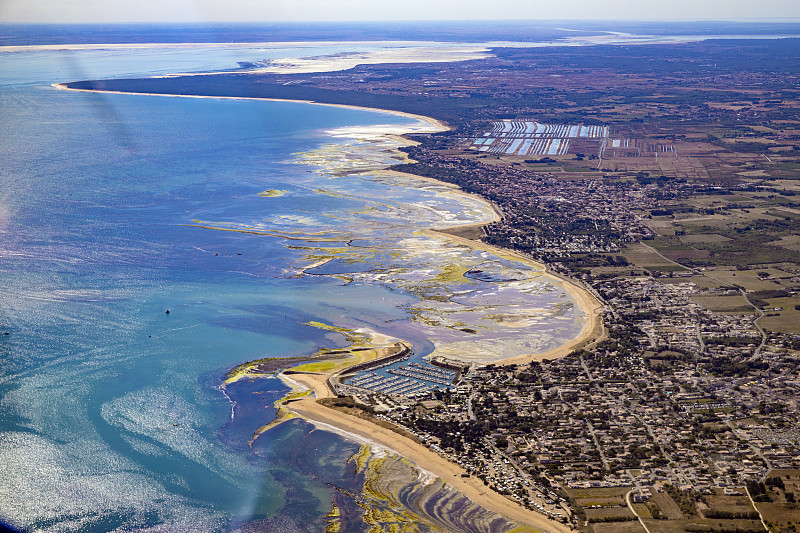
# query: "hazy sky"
353, 10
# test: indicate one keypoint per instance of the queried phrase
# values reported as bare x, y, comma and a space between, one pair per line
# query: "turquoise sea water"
111, 415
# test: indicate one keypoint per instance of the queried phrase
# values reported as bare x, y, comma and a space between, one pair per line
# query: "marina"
410, 379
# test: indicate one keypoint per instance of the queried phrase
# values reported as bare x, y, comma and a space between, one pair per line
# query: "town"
685, 408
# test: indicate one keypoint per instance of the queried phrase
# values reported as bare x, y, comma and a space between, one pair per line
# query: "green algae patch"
347, 358
453, 273
318, 236
525, 529
333, 520
296, 395
328, 327
351, 335
334, 513
319, 366
261, 368
561, 309
324, 360
397, 497
272, 193
384, 477
249, 370
361, 458
336, 194
283, 415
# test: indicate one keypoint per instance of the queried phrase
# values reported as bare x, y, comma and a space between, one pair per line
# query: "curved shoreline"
360, 429
592, 331
428, 120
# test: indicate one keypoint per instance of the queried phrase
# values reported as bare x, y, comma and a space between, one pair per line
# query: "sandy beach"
424, 458
592, 331
427, 54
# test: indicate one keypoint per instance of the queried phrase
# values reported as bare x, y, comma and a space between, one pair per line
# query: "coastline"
593, 330
359, 429
140, 46
428, 120
425, 459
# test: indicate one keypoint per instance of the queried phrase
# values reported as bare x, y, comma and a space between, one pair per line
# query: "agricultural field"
785, 321
722, 504
617, 527
782, 514
747, 240
752, 280
790, 242
643, 256
606, 509
674, 150
666, 506
603, 496
712, 512
645, 137
703, 525
724, 303
610, 514
607, 512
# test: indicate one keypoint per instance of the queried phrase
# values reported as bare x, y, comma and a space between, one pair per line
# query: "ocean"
249, 222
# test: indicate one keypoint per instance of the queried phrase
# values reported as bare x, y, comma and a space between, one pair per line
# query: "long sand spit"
423, 457
436, 125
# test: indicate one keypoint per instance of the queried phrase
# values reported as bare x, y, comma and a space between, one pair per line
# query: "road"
758, 310
757, 351
747, 491
470, 412
630, 506
533, 494
754, 449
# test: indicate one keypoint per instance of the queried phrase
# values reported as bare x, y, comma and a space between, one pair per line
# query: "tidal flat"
470, 302
474, 304
250, 222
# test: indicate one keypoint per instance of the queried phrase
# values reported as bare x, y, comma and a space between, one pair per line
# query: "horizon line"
764, 20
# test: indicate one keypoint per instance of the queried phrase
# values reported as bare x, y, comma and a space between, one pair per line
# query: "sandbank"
331, 63
496, 216
593, 329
